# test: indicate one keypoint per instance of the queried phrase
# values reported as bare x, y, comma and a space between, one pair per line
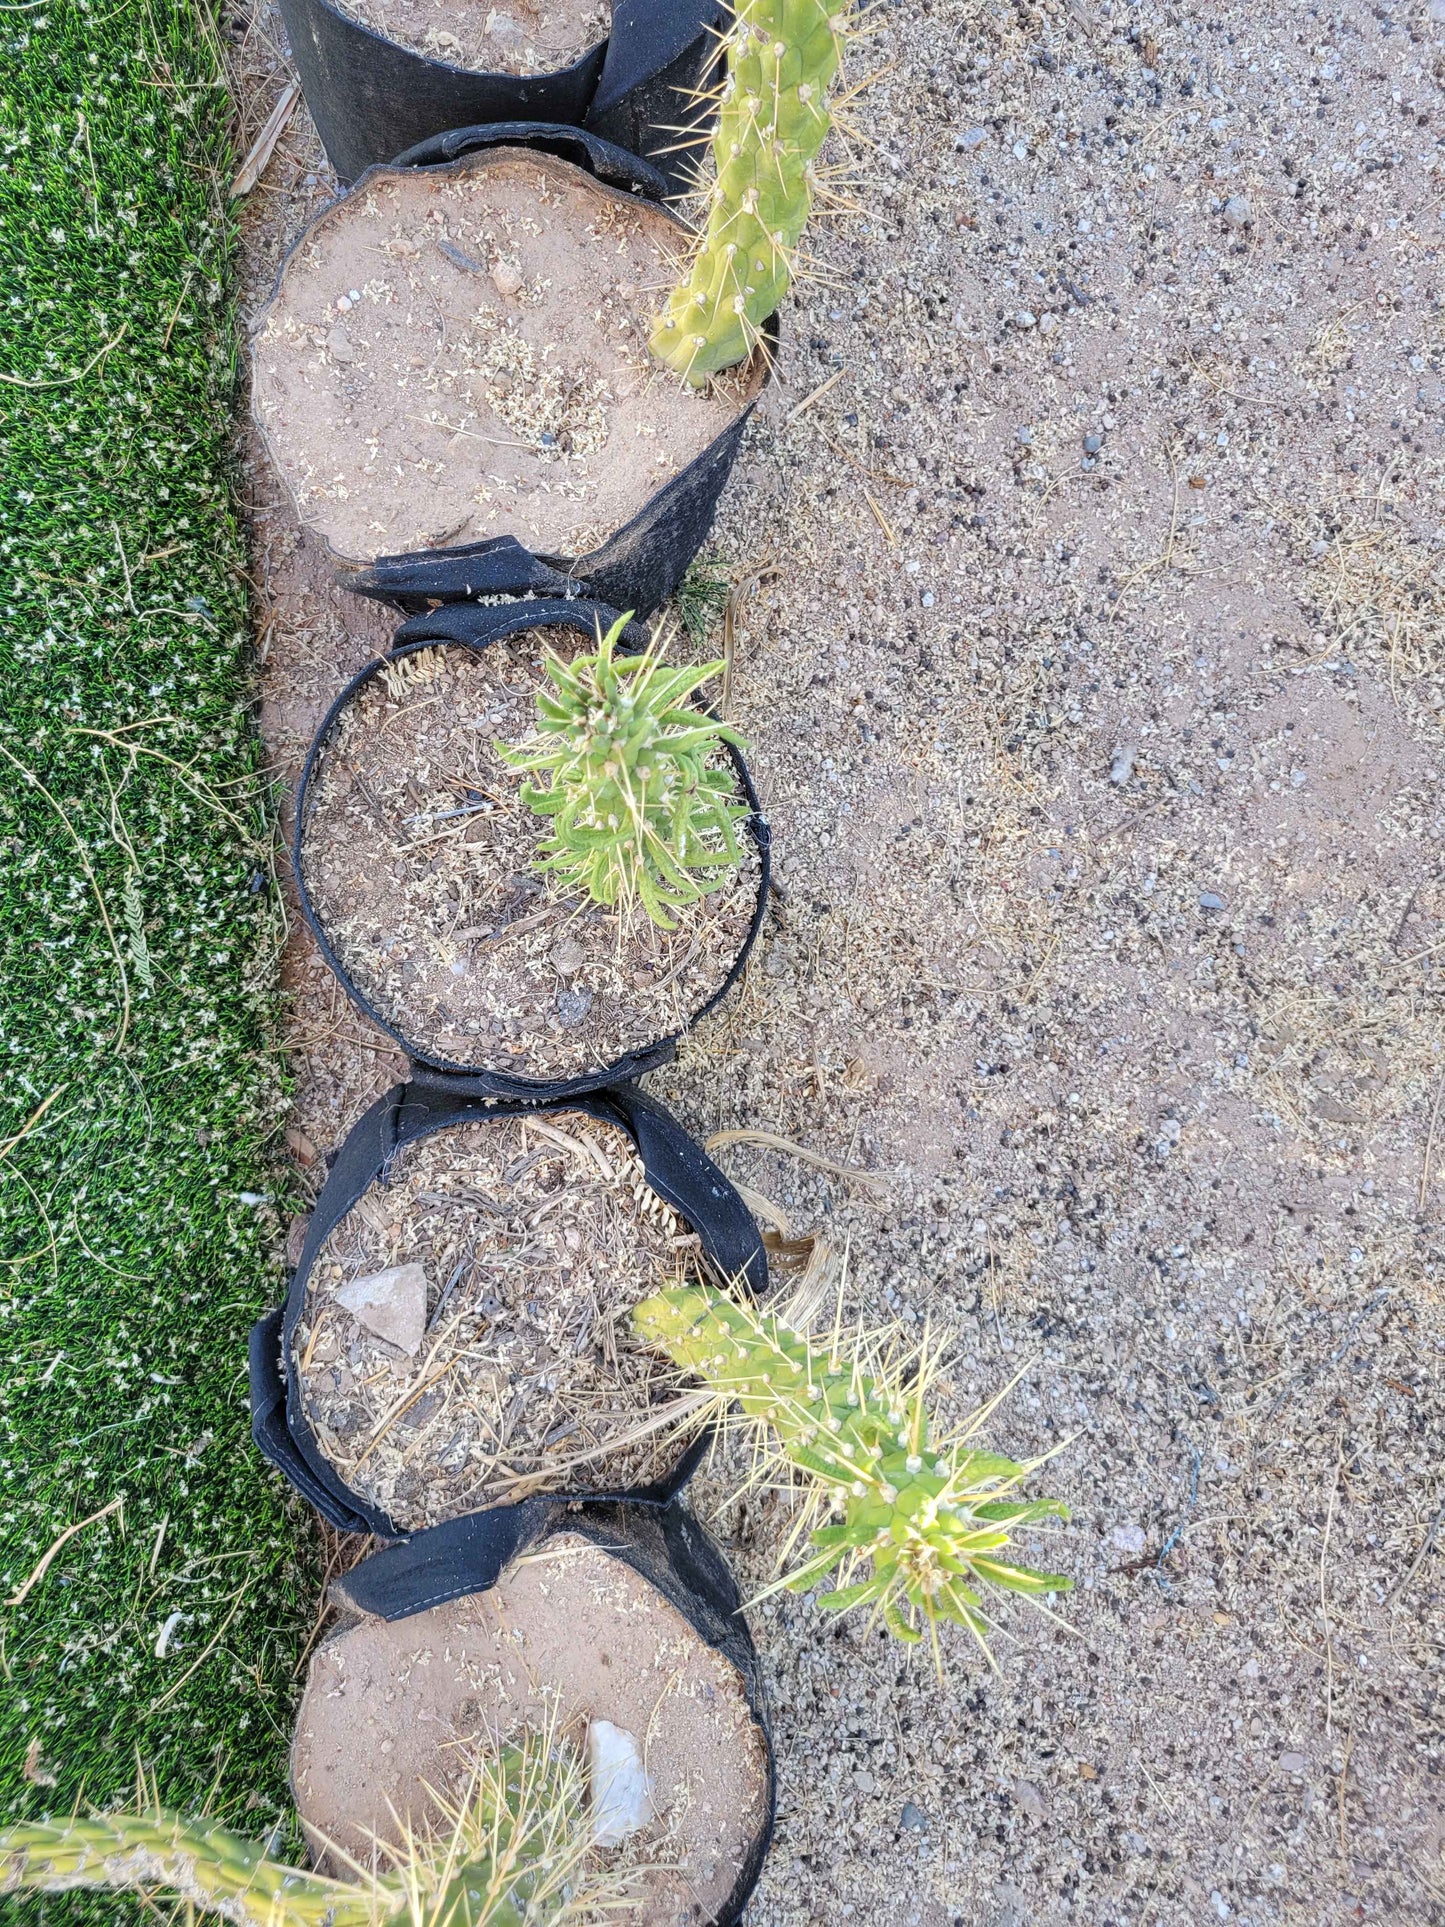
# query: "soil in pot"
418, 856
517, 37
569, 1633
466, 1336
460, 352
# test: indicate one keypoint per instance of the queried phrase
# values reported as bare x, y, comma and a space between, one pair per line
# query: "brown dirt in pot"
522, 37
461, 352
419, 861
568, 1633
537, 1236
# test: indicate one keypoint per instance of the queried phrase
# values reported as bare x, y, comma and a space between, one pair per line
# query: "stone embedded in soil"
573, 1006
390, 1303
617, 1783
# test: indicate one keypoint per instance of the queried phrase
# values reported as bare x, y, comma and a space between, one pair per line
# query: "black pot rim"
391, 577
581, 616
730, 1245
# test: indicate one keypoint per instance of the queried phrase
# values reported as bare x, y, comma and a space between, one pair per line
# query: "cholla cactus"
509, 1854
639, 817
927, 1522
773, 117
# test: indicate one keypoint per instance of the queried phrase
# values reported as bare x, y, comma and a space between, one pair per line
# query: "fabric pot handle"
684, 1176
606, 162
479, 624
647, 37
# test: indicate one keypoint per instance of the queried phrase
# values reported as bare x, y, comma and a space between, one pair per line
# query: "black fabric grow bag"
639, 565
372, 98
665, 1545
473, 626
678, 1170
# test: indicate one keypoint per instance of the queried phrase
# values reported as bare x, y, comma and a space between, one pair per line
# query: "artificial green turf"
137, 936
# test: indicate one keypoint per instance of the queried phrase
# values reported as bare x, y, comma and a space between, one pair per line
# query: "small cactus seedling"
773, 116
639, 814
925, 1523
508, 1854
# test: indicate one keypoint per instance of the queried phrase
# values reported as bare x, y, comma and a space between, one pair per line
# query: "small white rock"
1129, 1538
1237, 212
1121, 763
619, 1788
338, 345
506, 279
390, 1303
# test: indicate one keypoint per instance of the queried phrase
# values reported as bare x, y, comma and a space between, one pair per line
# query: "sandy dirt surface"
1096, 703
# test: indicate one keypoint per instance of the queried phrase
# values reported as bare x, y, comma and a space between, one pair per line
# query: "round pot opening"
574, 1639
464, 1337
459, 353
416, 857
521, 37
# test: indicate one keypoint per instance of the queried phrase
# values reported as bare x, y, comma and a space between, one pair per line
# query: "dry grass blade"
771, 1141
264, 145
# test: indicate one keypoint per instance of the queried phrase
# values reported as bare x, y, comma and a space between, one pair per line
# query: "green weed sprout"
925, 1523
773, 116
509, 1853
638, 815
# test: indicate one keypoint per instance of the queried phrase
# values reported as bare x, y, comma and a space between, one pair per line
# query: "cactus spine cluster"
926, 1524
773, 116
507, 1855
639, 817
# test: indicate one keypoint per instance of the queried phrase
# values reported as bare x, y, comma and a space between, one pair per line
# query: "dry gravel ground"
1096, 698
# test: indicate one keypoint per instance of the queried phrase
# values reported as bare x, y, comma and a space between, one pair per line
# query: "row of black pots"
371, 100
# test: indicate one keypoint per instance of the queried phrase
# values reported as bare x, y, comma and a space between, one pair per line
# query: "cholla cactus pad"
773, 117
926, 1524
508, 1854
643, 810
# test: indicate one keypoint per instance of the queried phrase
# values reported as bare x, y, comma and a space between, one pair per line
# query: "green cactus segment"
638, 815
216, 1871
508, 1856
773, 117
927, 1526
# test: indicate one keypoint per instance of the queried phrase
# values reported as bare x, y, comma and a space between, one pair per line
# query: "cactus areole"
928, 1525
773, 117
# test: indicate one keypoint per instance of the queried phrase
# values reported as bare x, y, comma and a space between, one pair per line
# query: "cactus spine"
638, 815
773, 117
927, 1524
508, 1855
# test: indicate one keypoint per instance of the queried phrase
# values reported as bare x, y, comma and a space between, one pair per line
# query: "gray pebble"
1209, 901
1029, 1801
338, 346
1026, 319
863, 1780
573, 1006
1237, 211
1121, 766
1093, 442
913, 1818
1129, 1538
1293, 1763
